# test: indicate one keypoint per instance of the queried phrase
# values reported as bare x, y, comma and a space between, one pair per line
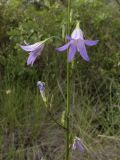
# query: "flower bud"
41, 86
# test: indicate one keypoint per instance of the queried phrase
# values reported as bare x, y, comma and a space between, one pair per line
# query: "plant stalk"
68, 92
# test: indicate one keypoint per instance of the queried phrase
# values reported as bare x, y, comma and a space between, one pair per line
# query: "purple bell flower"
77, 145
35, 50
77, 43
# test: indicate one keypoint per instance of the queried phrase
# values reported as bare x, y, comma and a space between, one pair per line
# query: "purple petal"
80, 147
63, 48
77, 33
72, 52
31, 59
74, 146
68, 37
41, 86
90, 42
33, 55
31, 47
81, 48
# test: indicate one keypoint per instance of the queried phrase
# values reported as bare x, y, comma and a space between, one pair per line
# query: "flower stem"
52, 117
68, 91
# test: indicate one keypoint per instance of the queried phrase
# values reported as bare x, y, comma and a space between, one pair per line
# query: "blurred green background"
26, 131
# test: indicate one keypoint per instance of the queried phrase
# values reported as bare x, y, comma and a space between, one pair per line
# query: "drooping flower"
77, 43
77, 144
34, 50
41, 86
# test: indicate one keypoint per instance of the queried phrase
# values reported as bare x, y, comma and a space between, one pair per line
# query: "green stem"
52, 117
68, 96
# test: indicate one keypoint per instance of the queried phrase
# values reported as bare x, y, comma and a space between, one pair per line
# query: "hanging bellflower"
34, 50
41, 86
77, 43
77, 145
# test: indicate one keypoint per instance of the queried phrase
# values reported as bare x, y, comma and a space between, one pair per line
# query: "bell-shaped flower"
77, 43
41, 86
34, 50
77, 144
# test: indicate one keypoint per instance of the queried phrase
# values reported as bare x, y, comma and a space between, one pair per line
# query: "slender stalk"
68, 91
52, 117
54, 120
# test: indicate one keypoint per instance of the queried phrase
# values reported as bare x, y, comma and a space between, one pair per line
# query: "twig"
60, 125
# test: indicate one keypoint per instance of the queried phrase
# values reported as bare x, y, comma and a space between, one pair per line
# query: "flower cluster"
76, 43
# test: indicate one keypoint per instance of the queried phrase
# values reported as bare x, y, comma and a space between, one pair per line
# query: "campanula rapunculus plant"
77, 43
77, 145
41, 86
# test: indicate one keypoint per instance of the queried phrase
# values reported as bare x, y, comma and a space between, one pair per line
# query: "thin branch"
52, 118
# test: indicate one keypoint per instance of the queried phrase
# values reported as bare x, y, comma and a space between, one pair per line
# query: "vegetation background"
26, 130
